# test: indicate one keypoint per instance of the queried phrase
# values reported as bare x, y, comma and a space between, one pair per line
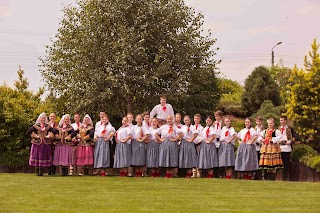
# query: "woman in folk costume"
63, 144
247, 159
226, 149
187, 151
208, 156
122, 158
153, 145
103, 137
76, 126
85, 146
270, 159
42, 135
169, 135
140, 134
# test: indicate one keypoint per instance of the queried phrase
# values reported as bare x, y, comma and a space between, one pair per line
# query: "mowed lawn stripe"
29, 193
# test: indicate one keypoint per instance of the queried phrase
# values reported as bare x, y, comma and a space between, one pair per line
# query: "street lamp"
272, 53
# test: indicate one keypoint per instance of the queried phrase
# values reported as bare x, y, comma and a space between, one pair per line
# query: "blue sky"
246, 31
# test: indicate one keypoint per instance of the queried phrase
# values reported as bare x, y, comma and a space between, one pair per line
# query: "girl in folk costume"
169, 135
103, 137
226, 149
63, 144
270, 159
85, 146
197, 141
42, 135
187, 151
218, 123
153, 145
140, 134
177, 120
76, 126
208, 156
146, 119
122, 158
247, 159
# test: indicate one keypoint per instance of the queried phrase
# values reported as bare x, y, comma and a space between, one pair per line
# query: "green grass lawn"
29, 193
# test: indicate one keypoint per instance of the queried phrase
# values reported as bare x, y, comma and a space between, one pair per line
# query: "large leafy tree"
259, 86
122, 54
304, 100
19, 108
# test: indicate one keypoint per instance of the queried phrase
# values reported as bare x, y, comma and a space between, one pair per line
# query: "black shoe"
40, 171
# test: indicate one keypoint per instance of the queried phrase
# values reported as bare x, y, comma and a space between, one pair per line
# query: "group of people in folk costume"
159, 140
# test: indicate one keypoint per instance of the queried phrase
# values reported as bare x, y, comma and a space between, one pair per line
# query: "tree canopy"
259, 86
121, 55
19, 109
304, 98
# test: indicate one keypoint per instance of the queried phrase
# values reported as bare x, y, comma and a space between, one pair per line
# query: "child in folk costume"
146, 119
63, 144
187, 151
258, 128
103, 137
218, 124
169, 135
177, 120
85, 146
42, 135
140, 134
208, 156
197, 141
247, 159
162, 111
270, 159
153, 145
122, 158
289, 137
130, 124
226, 149
76, 126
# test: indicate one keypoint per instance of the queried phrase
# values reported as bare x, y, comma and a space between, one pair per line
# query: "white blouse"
188, 132
210, 134
198, 128
109, 128
164, 131
139, 131
242, 134
231, 133
123, 132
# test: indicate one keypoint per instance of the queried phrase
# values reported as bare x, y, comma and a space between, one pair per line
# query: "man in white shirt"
289, 136
162, 111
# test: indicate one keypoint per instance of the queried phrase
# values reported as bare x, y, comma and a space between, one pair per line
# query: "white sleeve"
171, 112
278, 136
153, 112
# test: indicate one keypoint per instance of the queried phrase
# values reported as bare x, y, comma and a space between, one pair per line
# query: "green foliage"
230, 101
19, 108
304, 99
301, 151
259, 86
266, 111
121, 55
281, 75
